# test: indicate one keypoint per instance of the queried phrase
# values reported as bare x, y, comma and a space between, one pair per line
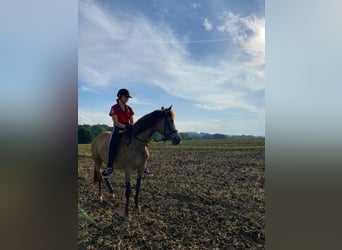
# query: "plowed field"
206, 194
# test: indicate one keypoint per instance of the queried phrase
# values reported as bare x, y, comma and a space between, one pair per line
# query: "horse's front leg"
128, 193
109, 186
137, 189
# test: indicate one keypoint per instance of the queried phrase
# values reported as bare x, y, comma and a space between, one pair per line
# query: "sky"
205, 58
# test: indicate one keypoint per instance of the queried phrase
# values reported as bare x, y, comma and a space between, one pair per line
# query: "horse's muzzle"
175, 138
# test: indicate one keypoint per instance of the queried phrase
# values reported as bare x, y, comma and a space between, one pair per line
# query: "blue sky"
206, 58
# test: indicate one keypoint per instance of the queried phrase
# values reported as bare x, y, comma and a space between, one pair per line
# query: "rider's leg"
113, 145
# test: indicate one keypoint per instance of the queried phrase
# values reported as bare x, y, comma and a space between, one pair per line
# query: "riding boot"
113, 145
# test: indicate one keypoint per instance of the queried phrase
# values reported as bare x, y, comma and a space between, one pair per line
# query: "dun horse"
132, 151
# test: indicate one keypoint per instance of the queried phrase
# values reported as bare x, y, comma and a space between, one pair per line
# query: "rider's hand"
129, 126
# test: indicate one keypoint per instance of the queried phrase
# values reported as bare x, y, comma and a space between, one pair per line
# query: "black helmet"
124, 92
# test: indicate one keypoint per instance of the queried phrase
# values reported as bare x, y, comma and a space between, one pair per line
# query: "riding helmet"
124, 92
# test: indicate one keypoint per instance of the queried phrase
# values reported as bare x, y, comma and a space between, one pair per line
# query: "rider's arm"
117, 123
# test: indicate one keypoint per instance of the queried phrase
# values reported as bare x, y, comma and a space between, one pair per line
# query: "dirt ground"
203, 195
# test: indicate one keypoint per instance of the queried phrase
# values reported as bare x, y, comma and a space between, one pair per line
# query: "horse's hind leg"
97, 176
137, 189
128, 193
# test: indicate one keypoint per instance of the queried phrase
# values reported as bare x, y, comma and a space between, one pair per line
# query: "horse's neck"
147, 125
146, 134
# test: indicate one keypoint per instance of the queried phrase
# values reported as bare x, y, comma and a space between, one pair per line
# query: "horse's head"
168, 129
162, 121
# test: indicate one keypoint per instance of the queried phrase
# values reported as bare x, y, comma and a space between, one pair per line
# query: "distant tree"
99, 128
201, 136
157, 137
189, 136
185, 136
85, 134
218, 136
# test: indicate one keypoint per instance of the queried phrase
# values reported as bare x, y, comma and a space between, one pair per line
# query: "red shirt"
123, 116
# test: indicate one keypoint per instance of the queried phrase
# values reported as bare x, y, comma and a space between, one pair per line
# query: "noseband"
168, 124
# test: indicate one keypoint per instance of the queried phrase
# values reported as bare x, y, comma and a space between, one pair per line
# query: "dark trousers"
113, 147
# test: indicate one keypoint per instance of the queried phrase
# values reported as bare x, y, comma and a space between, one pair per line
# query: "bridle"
167, 125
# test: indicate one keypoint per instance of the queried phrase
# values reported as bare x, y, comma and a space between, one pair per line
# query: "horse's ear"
170, 107
162, 107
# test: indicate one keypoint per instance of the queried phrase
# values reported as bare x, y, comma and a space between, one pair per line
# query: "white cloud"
195, 5
247, 32
87, 89
116, 47
207, 25
137, 101
86, 117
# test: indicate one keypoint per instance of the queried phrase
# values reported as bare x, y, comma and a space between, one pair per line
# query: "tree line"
86, 133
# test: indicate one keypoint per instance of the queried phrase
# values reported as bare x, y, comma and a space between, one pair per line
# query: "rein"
144, 141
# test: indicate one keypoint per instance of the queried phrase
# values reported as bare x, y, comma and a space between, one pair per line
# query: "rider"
122, 116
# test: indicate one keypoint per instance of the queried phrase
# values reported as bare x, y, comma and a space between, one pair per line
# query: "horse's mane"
147, 121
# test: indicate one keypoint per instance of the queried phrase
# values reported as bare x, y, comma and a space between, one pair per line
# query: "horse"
132, 153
